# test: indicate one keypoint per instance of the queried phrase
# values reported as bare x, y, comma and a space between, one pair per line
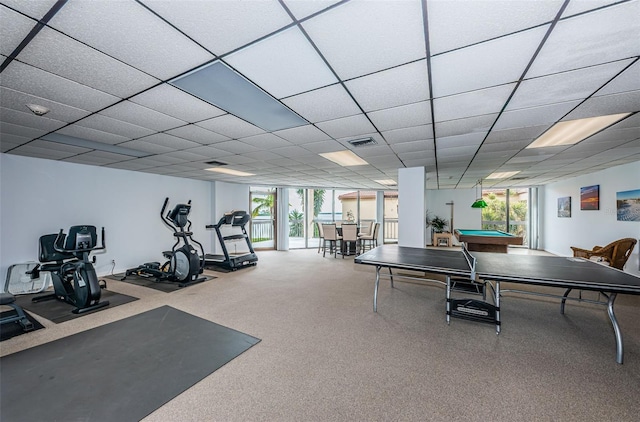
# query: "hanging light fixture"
479, 202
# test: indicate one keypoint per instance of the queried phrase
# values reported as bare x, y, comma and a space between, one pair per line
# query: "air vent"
518, 178
216, 163
363, 142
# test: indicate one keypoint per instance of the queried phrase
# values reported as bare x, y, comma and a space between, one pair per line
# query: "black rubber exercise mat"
150, 282
120, 371
58, 311
14, 329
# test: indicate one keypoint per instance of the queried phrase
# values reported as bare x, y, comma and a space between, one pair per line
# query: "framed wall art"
628, 205
590, 197
564, 206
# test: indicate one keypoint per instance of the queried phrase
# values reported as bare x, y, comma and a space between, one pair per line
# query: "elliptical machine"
74, 279
183, 265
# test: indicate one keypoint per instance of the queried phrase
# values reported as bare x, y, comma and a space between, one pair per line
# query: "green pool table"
487, 240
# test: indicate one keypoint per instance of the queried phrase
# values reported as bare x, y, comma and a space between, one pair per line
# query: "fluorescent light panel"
573, 131
387, 182
344, 158
502, 175
230, 171
218, 84
98, 146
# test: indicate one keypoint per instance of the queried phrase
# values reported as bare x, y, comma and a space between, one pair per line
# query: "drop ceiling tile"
177, 103
35, 9
266, 141
523, 136
169, 141
347, 126
324, 146
93, 134
417, 133
283, 64
8, 141
291, 151
144, 146
606, 104
302, 135
302, 9
112, 30
209, 151
236, 147
15, 27
629, 80
197, 134
133, 113
63, 56
525, 117
560, 87
7, 128
230, 126
28, 119
596, 37
322, 104
404, 116
110, 125
416, 146
210, 26
474, 103
470, 139
484, 65
475, 124
358, 38
186, 155
30, 80
394, 87
16, 100
132, 165
97, 158
454, 24
35, 152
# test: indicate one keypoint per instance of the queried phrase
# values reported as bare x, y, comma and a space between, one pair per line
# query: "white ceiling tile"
597, 37
30, 80
473, 124
9, 141
484, 65
169, 141
236, 147
417, 133
175, 102
363, 37
56, 53
197, 134
146, 146
416, 146
291, 151
572, 85
30, 150
469, 139
16, 100
283, 64
607, 104
230, 126
35, 9
209, 151
266, 141
110, 125
28, 119
474, 103
7, 128
302, 134
629, 80
534, 115
403, 116
302, 9
212, 25
394, 87
97, 158
132, 34
93, 134
142, 116
347, 126
15, 27
322, 104
455, 24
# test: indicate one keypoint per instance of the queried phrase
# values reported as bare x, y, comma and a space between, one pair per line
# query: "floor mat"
58, 311
14, 329
164, 286
119, 371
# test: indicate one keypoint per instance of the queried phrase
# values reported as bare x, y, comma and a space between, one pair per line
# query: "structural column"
412, 207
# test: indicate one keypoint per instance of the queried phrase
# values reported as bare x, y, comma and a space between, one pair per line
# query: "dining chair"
349, 238
330, 236
320, 236
371, 239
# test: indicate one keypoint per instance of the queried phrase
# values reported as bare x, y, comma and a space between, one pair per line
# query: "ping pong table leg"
616, 328
375, 292
448, 299
391, 277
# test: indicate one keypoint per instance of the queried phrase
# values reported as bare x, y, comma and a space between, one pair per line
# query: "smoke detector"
38, 110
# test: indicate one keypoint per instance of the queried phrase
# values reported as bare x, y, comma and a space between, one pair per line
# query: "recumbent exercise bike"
184, 264
66, 258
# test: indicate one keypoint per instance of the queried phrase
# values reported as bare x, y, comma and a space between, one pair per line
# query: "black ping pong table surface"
554, 271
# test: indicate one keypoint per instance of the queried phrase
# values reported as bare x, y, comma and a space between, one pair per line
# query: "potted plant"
438, 224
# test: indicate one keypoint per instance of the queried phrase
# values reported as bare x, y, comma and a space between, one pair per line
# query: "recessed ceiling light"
220, 85
344, 158
502, 175
387, 182
229, 171
38, 110
573, 131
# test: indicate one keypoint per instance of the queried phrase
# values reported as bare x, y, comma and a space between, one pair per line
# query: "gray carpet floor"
326, 356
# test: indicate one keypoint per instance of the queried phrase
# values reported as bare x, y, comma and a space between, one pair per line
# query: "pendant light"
479, 203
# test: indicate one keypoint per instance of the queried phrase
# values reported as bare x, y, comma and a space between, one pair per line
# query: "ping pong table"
494, 268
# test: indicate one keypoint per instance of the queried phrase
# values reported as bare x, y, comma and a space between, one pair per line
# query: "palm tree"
263, 205
318, 199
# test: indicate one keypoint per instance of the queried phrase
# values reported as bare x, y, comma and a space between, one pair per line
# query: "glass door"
263, 218
507, 210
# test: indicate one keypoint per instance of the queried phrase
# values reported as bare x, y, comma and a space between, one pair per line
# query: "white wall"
412, 209
464, 217
39, 197
586, 229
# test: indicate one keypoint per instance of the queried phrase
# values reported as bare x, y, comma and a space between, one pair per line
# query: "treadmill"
231, 258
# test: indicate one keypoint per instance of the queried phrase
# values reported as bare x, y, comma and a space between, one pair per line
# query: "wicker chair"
615, 253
